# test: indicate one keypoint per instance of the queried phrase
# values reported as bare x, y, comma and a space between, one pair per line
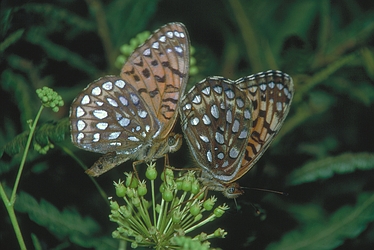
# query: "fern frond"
346, 223
64, 224
18, 87
37, 36
326, 168
61, 15
48, 132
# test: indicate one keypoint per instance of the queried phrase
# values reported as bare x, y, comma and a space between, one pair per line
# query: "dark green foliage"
328, 233
49, 132
68, 224
327, 167
323, 156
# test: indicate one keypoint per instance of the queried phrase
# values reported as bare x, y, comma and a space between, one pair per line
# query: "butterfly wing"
158, 69
271, 95
216, 118
109, 116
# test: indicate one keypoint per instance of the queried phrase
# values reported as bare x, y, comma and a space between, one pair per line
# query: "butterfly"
213, 124
132, 116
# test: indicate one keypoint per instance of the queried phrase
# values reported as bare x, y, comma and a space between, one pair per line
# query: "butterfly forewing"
271, 94
110, 117
159, 71
216, 118
131, 116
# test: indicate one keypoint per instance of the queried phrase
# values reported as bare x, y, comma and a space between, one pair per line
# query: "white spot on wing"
243, 134
134, 99
123, 100
217, 89
124, 122
156, 45
209, 156
80, 136
85, 100
102, 125
214, 111
178, 49
142, 113
240, 102
80, 112
81, 125
220, 155
197, 99
96, 91
133, 138
96, 137
230, 94
108, 85
147, 52
195, 121
206, 91
279, 106
247, 114
120, 84
114, 135
235, 126
234, 152
206, 119
187, 106
162, 39
204, 138
100, 114
229, 116
271, 84
219, 138
112, 102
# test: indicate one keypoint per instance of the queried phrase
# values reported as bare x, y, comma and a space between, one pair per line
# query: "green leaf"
64, 224
347, 222
327, 167
23, 94
11, 39
38, 37
132, 19
53, 132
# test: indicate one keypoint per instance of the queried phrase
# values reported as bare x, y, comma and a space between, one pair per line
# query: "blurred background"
323, 156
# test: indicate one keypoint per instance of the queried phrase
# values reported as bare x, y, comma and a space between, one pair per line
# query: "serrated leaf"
347, 222
61, 224
59, 53
53, 132
65, 224
327, 167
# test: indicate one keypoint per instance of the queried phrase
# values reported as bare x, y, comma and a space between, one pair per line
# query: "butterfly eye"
171, 141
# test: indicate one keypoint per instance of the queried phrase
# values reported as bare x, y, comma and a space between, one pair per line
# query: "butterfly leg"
134, 164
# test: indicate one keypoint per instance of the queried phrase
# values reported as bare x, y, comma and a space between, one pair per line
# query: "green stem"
9, 203
210, 218
32, 130
9, 207
153, 202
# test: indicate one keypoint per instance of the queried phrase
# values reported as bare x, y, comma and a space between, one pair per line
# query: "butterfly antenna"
267, 190
257, 211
